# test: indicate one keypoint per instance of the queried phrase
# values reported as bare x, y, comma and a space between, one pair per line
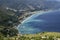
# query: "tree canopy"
7, 23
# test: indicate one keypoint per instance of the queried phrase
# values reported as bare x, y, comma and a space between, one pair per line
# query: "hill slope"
39, 36
30, 4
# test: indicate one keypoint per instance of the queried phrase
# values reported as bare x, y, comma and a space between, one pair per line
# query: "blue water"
40, 22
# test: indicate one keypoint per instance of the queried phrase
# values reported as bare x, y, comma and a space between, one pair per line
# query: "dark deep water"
48, 21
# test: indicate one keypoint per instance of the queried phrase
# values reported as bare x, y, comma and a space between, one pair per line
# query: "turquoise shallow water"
40, 22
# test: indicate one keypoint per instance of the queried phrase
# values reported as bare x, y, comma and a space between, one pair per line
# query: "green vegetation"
8, 22
8, 30
39, 36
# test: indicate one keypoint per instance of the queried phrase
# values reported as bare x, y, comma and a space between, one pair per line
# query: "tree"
8, 22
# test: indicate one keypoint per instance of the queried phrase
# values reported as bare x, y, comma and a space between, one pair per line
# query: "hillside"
14, 12
8, 21
22, 5
38, 36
